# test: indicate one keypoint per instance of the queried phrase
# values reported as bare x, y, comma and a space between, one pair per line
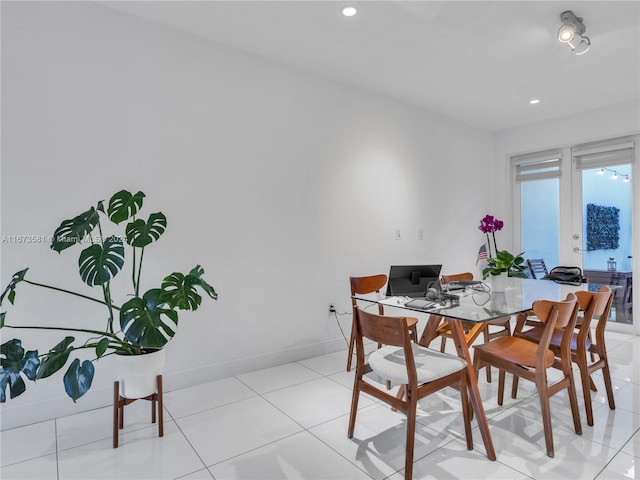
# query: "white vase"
138, 374
499, 282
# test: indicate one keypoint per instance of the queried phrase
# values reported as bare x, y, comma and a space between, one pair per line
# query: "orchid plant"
500, 261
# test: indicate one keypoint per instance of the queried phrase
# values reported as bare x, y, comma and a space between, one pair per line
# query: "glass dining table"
476, 304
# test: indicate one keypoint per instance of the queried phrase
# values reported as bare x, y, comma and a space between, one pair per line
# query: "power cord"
336, 314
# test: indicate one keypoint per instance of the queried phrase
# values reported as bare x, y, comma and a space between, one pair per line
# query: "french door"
575, 207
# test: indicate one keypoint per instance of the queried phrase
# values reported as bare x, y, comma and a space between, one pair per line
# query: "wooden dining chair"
537, 268
530, 360
593, 305
472, 330
420, 370
363, 286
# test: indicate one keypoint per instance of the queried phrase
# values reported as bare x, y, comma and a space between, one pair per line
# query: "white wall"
279, 184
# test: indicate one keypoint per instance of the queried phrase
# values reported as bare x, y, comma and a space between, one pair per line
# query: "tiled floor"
291, 422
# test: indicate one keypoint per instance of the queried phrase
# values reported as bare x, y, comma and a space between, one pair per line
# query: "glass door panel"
540, 220
606, 205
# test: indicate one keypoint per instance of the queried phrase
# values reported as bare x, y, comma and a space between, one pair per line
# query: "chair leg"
466, 410
412, 407
514, 387
501, 377
443, 343
486, 340
573, 401
546, 417
354, 408
586, 387
607, 382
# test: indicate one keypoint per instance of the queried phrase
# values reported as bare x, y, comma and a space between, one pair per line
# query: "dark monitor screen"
412, 280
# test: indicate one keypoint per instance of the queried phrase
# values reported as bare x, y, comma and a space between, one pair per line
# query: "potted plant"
144, 323
503, 264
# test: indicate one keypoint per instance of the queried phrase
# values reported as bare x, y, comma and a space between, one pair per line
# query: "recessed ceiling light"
349, 11
534, 101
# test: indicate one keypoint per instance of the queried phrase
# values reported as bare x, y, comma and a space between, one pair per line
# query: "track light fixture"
572, 33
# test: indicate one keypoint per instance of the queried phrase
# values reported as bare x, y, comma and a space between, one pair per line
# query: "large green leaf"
144, 322
17, 278
100, 263
73, 231
140, 233
55, 359
77, 380
195, 278
13, 362
179, 290
123, 205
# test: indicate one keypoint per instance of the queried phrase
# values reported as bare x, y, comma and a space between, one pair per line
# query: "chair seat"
535, 334
388, 362
516, 350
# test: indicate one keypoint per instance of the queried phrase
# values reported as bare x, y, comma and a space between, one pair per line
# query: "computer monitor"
412, 280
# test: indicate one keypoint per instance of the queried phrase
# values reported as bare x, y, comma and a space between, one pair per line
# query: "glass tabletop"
479, 303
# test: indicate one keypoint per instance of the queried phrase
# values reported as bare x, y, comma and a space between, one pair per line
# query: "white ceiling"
479, 62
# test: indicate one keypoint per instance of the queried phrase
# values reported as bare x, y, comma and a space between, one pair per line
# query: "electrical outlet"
332, 308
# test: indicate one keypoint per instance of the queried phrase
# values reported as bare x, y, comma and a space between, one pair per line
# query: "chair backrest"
594, 304
383, 329
364, 285
456, 277
559, 313
556, 315
537, 267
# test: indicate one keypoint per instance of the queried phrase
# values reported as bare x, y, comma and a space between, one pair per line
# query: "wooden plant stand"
120, 402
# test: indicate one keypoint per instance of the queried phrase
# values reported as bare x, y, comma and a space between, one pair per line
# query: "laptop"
412, 280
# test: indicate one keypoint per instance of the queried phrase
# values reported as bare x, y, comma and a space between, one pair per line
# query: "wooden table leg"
430, 330
474, 394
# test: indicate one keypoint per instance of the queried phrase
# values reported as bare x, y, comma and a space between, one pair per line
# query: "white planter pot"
138, 374
499, 282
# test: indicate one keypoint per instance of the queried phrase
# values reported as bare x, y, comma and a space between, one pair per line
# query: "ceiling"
479, 62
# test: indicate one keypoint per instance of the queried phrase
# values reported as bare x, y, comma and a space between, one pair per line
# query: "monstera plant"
142, 324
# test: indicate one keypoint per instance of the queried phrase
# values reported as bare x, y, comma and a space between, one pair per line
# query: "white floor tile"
519, 444
622, 467
141, 455
632, 447
41, 468
195, 399
94, 425
203, 474
289, 458
327, 364
378, 445
225, 432
453, 460
28, 442
314, 402
275, 378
